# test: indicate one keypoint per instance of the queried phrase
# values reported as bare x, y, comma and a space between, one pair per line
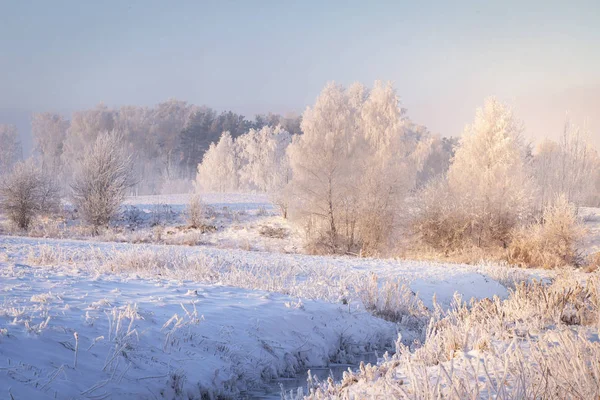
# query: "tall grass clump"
553, 242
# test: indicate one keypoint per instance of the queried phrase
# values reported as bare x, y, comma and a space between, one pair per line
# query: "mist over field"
267, 200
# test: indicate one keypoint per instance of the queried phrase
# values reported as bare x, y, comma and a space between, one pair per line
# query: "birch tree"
102, 178
490, 177
219, 168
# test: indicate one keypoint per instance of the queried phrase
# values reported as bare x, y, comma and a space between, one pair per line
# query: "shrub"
276, 232
553, 242
438, 222
27, 192
102, 179
195, 212
593, 261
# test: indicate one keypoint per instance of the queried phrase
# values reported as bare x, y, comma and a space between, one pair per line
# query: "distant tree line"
167, 141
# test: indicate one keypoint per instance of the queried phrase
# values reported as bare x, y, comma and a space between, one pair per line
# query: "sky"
445, 57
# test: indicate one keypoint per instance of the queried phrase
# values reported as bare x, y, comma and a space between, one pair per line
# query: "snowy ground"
156, 338
229, 313
591, 218
142, 336
231, 220
241, 221
424, 278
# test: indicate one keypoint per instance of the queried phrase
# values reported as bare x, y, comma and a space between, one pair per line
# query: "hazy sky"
445, 57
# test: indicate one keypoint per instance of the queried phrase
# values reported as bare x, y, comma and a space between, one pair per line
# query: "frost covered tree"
321, 160
393, 152
26, 192
264, 164
352, 168
565, 168
438, 161
219, 168
102, 178
85, 127
490, 177
205, 127
10, 147
49, 132
169, 119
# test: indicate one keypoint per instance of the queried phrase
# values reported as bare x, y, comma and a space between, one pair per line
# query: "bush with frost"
488, 191
102, 179
195, 212
553, 242
26, 192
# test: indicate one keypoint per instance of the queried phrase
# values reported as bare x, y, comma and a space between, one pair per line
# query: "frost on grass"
540, 342
141, 309
113, 335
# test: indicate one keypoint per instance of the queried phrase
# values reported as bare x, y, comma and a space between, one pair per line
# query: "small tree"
102, 179
26, 192
489, 176
553, 242
218, 170
195, 212
352, 168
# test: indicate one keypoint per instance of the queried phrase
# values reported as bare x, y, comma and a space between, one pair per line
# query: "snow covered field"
143, 334
105, 319
80, 336
231, 220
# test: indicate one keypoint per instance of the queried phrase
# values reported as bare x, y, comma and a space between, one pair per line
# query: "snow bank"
78, 336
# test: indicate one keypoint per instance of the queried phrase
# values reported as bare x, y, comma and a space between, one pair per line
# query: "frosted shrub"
438, 222
533, 345
554, 242
391, 300
195, 212
132, 216
27, 192
593, 261
102, 179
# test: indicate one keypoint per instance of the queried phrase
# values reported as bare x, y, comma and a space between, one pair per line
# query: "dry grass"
536, 344
276, 232
554, 243
593, 262
392, 300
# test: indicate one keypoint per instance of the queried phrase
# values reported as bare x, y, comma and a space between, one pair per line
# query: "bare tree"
26, 192
102, 179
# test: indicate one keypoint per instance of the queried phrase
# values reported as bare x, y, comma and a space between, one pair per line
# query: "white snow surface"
140, 335
140, 338
424, 278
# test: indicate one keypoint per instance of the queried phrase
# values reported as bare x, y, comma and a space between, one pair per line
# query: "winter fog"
268, 200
